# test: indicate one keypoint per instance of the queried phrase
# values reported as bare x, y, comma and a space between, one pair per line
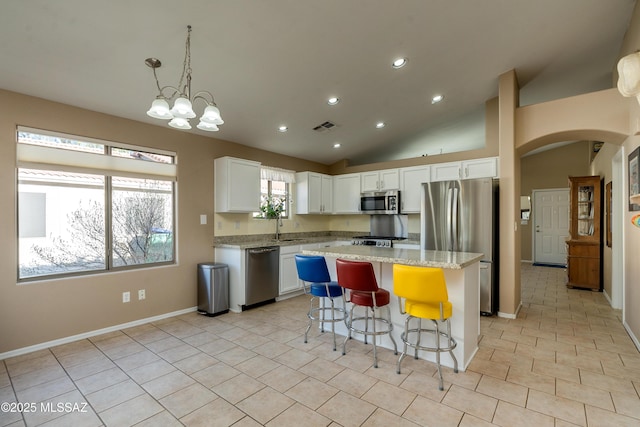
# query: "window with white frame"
274, 193
87, 206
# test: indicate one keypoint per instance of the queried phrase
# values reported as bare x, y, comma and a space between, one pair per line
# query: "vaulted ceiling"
276, 62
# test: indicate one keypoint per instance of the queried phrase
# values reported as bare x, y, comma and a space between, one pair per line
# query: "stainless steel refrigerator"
462, 216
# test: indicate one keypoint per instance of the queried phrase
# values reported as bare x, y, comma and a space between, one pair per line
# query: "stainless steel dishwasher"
262, 276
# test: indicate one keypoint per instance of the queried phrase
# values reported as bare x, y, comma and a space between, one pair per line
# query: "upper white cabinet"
237, 185
346, 193
314, 193
467, 169
388, 179
411, 180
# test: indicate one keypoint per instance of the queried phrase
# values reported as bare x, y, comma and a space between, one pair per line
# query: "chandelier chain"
186, 65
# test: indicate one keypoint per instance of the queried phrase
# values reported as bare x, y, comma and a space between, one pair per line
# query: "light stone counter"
262, 242
424, 258
462, 273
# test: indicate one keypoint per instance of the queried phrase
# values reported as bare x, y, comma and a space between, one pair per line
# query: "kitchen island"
462, 273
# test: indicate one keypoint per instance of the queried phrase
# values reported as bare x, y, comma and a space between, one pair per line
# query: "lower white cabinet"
406, 246
235, 258
289, 281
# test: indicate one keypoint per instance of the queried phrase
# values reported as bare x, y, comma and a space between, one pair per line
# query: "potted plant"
271, 207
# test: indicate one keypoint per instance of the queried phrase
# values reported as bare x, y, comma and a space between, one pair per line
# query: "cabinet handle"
466, 171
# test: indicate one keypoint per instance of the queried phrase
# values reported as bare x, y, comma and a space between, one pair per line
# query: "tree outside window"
71, 222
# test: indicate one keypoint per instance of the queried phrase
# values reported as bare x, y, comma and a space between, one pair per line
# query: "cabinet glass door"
586, 210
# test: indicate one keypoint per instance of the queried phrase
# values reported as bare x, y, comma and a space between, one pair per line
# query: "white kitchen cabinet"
480, 168
235, 258
289, 281
388, 179
314, 193
467, 169
406, 246
236, 185
346, 193
411, 180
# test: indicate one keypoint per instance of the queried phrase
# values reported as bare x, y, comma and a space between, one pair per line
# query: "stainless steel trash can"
213, 288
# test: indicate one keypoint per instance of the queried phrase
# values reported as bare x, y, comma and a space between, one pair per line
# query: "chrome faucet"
278, 225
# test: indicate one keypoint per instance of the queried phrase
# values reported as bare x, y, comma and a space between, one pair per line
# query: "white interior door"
550, 226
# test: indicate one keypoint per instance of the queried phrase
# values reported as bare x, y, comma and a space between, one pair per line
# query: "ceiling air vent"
324, 127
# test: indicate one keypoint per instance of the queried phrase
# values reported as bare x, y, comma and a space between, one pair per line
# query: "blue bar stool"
360, 284
313, 272
424, 291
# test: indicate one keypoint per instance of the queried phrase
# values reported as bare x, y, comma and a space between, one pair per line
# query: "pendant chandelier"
182, 109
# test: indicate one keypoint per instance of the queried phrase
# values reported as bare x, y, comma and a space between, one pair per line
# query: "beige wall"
509, 228
47, 310
631, 235
601, 165
550, 169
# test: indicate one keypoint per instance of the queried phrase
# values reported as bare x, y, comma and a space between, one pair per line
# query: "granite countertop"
424, 258
290, 239
265, 241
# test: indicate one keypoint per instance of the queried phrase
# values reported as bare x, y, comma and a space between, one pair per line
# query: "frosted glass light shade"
160, 109
209, 127
212, 115
180, 123
629, 75
182, 109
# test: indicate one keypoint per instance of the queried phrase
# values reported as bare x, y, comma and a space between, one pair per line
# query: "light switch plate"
203, 219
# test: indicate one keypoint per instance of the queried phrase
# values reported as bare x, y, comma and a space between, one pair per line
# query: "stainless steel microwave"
383, 202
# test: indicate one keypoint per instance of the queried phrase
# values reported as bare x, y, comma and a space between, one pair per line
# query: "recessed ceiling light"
399, 63
283, 128
333, 100
436, 99
337, 145
380, 125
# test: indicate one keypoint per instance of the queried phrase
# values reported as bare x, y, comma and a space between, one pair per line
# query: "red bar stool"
313, 272
424, 291
361, 289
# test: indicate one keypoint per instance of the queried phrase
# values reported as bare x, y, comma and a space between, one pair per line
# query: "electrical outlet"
126, 296
141, 294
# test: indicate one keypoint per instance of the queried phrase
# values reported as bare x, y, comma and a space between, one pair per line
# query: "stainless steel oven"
383, 202
377, 241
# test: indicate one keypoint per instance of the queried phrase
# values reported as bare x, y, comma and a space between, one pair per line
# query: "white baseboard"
66, 340
509, 315
631, 334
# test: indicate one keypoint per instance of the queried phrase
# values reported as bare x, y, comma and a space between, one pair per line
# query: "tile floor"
565, 361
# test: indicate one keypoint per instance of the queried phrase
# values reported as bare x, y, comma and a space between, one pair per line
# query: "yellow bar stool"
424, 291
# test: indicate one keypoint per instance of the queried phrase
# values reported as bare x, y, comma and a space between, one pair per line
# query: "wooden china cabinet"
584, 245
